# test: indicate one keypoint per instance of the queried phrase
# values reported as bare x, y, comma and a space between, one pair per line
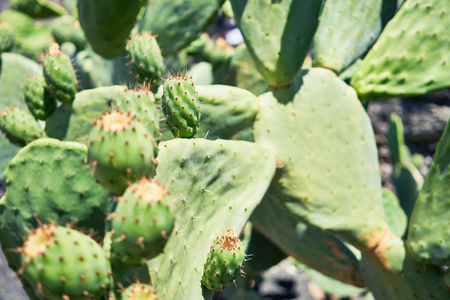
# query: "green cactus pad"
396, 139
62, 263
38, 8
429, 232
226, 110
6, 36
141, 222
181, 106
38, 100
30, 38
313, 247
68, 29
19, 126
146, 59
14, 70
60, 75
121, 151
139, 291
177, 23
395, 216
411, 55
107, 23
246, 74
329, 174
346, 30
224, 262
390, 272
408, 182
217, 184
278, 34
50, 181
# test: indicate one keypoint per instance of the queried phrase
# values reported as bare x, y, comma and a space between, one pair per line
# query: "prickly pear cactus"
140, 104
121, 150
139, 291
65, 192
226, 110
63, 263
68, 29
6, 36
429, 230
38, 8
37, 97
19, 126
279, 41
177, 23
410, 57
181, 106
141, 223
224, 262
316, 170
146, 59
107, 23
346, 30
60, 75
217, 184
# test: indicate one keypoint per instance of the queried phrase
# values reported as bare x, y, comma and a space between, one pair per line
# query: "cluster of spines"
6, 36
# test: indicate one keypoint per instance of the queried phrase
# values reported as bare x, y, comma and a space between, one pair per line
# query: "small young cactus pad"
19, 126
121, 150
62, 263
6, 36
141, 223
139, 291
224, 261
60, 75
146, 59
38, 100
181, 106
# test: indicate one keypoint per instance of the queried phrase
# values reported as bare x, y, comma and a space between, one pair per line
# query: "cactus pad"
411, 56
107, 23
177, 23
19, 126
279, 41
141, 222
146, 59
329, 174
65, 181
6, 36
38, 100
60, 75
68, 29
429, 232
64, 263
226, 110
121, 150
181, 106
346, 30
224, 261
217, 184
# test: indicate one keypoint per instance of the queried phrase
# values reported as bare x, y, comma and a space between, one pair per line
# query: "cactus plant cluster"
135, 178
